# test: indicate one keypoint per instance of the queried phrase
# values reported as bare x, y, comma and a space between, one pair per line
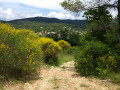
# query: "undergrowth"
63, 58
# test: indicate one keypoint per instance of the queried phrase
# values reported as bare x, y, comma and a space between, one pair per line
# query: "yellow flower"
107, 66
33, 62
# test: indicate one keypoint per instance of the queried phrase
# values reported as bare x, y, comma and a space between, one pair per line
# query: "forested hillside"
38, 24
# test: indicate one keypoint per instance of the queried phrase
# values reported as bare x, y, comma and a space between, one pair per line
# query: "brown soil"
63, 78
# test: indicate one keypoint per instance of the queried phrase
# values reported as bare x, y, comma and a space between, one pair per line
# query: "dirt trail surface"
63, 78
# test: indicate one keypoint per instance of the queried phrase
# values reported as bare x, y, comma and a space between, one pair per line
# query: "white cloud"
60, 15
8, 14
63, 15
114, 13
9, 11
34, 15
1, 8
11, 1
5, 14
47, 4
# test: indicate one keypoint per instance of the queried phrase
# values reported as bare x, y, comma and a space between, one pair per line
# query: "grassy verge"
1, 85
114, 77
63, 57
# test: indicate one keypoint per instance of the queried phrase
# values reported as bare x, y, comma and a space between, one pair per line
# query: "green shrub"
54, 36
111, 38
19, 51
117, 58
64, 44
86, 38
105, 64
73, 50
94, 59
94, 48
73, 38
85, 66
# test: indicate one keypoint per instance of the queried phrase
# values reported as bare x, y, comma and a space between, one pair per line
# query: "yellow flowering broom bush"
50, 50
20, 51
64, 44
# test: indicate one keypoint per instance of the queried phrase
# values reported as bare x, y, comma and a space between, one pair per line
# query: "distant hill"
1, 21
53, 20
39, 24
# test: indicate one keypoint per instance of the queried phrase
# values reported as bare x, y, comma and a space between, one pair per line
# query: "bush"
111, 38
74, 38
54, 36
73, 50
105, 64
86, 38
50, 49
64, 44
94, 48
94, 59
19, 51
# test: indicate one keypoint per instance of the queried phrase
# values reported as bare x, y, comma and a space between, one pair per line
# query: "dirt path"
63, 78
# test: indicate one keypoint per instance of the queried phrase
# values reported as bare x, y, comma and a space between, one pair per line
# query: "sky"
17, 9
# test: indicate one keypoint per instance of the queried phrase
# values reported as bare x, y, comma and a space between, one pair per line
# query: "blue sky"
17, 9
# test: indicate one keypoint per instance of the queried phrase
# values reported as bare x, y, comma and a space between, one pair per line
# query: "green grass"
83, 85
114, 77
57, 87
1, 86
63, 67
55, 81
63, 58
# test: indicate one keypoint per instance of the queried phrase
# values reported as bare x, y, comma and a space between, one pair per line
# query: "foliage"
86, 38
87, 60
54, 36
50, 49
111, 38
98, 56
106, 64
99, 48
72, 5
99, 20
73, 50
97, 13
64, 34
19, 51
114, 77
2, 86
56, 31
64, 44
40, 24
74, 38
63, 57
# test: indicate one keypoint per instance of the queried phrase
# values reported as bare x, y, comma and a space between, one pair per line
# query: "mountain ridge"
52, 20
39, 24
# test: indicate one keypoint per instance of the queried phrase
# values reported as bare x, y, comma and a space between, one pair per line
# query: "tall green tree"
77, 6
